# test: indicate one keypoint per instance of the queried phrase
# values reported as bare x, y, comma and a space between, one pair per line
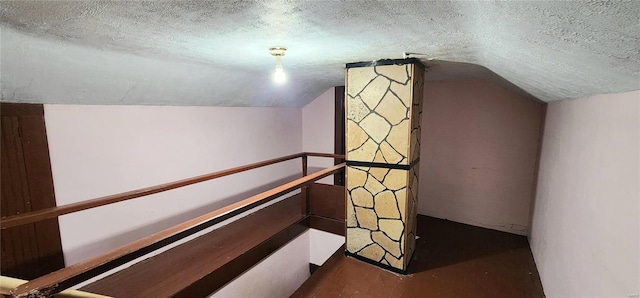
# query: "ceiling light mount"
278, 75
278, 51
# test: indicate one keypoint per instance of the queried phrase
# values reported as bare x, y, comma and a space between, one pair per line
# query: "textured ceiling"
215, 52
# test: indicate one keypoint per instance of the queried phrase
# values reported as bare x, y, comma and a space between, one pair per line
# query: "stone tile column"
383, 111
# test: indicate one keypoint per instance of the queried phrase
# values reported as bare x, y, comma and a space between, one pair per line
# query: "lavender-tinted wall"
102, 150
586, 227
478, 157
318, 131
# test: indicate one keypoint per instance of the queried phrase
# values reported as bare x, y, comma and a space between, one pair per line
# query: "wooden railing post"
305, 189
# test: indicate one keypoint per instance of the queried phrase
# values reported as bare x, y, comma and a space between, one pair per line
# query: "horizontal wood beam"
69, 276
21, 109
339, 156
327, 224
53, 212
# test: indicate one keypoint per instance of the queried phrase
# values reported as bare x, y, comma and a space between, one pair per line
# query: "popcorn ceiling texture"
215, 52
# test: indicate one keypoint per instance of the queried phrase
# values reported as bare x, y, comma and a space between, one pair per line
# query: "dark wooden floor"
451, 260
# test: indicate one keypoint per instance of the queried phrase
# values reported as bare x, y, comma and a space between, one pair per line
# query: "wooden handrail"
64, 278
338, 156
52, 212
9, 283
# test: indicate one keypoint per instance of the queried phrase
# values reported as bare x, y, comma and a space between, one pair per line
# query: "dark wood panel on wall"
327, 201
339, 133
327, 224
31, 250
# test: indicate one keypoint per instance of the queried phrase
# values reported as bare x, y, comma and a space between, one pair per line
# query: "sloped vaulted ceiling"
215, 52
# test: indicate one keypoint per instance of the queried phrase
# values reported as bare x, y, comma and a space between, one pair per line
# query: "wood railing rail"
72, 275
47, 213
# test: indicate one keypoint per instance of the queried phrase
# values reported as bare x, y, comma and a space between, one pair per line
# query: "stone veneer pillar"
383, 113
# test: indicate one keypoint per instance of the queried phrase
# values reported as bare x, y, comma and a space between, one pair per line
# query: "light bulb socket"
279, 76
278, 51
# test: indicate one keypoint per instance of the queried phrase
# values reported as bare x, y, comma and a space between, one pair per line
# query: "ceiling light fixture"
278, 75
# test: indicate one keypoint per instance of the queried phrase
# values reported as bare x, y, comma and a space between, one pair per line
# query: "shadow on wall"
442, 70
480, 143
124, 238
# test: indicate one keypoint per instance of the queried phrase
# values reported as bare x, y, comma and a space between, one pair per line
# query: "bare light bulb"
279, 76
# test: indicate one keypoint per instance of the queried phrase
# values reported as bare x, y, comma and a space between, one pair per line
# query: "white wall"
318, 131
478, 155
284, 271
585, 234
323, 245
102, 150
279, 275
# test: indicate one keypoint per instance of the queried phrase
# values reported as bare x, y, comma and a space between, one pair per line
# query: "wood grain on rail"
69, 276
53, 212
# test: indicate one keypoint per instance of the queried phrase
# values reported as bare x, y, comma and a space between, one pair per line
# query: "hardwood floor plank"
451, 260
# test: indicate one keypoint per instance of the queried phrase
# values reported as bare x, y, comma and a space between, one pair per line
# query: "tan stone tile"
413, 144
392, 109
372, 252
356, 109
364, 169
378, 173
392, 227
379, 158
401, 197
403, 92
355, 177
390, 154
394, 262
355, 136
399, 137
357, 239
389, 245
367, 218
376, 127
414, 187
416, 152
358, 78
415, 117
351, 214
411, 246
362, 198
364, 153
396, 179
398, 73
373, 186
372, 94
385, 205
